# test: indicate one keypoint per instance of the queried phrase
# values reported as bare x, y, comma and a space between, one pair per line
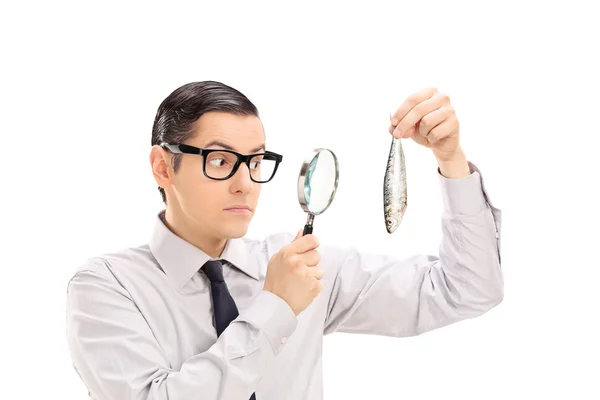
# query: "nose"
241, 181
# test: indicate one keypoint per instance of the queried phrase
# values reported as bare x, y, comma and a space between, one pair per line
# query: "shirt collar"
180, 260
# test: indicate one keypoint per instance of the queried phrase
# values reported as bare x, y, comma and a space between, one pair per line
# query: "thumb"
417, 137
299, 234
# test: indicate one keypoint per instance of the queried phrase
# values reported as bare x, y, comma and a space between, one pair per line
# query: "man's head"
200, 190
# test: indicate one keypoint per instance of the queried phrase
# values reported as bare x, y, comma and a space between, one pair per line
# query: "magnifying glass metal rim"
302, 180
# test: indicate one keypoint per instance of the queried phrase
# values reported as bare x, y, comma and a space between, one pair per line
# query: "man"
201, 312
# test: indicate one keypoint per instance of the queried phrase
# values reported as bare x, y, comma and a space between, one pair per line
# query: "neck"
191, 233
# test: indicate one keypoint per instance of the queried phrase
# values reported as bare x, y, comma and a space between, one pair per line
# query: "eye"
254, 164
217, 162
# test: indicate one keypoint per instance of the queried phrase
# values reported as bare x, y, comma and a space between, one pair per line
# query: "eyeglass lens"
220, 164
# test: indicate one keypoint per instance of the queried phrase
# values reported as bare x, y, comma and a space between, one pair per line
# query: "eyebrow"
228, 147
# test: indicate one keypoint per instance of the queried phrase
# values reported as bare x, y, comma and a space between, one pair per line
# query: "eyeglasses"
223, 164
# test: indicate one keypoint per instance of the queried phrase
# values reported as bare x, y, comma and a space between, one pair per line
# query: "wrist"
455, 166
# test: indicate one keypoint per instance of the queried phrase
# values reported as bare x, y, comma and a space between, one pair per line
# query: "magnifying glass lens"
318, 183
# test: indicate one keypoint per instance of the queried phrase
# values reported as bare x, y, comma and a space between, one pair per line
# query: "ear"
160, 162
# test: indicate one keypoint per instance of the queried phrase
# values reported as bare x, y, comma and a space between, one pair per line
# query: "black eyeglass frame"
181, 148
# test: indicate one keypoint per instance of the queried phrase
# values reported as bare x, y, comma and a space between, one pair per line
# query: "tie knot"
213, 270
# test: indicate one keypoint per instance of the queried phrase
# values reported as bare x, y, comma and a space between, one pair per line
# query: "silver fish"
394, 187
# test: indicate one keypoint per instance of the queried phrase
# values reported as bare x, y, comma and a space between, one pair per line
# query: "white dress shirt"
140, 321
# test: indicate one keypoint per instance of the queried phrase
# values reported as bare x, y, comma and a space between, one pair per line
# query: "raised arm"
379, 294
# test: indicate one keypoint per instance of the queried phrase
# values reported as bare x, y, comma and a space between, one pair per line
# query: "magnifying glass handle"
308, 228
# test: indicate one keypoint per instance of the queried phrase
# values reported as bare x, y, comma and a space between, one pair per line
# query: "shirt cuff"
273, 316
463, 196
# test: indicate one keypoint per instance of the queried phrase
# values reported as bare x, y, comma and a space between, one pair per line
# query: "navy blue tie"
223, 304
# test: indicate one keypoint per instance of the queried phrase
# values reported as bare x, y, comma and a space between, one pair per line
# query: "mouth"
239, 209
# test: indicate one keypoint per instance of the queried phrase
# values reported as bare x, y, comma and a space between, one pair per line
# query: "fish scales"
395, 198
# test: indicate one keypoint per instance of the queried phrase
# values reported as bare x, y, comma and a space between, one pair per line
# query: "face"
216, 208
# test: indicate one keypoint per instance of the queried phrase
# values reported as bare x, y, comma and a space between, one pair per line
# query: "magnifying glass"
317, 184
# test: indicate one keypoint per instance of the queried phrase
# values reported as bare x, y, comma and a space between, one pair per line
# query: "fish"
395, 200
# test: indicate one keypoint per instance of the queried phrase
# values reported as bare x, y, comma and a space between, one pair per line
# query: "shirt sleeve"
389, 296
116, 355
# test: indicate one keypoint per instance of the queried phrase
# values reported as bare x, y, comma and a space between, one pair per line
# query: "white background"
80, 84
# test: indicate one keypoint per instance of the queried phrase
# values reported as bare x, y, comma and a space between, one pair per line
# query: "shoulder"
107, 267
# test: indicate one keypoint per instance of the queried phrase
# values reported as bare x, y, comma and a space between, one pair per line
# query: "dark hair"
177, 114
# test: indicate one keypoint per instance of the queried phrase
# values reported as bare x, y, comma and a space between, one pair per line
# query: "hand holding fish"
430, 120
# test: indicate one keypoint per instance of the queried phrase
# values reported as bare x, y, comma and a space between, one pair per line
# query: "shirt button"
284, 340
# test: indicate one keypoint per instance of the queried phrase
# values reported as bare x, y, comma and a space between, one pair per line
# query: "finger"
316, 272
442, 131
419, 111
311, 258
409, 103
304, 244
407, 134
433, 119
418, 138
318, 286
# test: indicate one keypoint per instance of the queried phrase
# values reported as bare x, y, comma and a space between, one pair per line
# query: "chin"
234, 230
